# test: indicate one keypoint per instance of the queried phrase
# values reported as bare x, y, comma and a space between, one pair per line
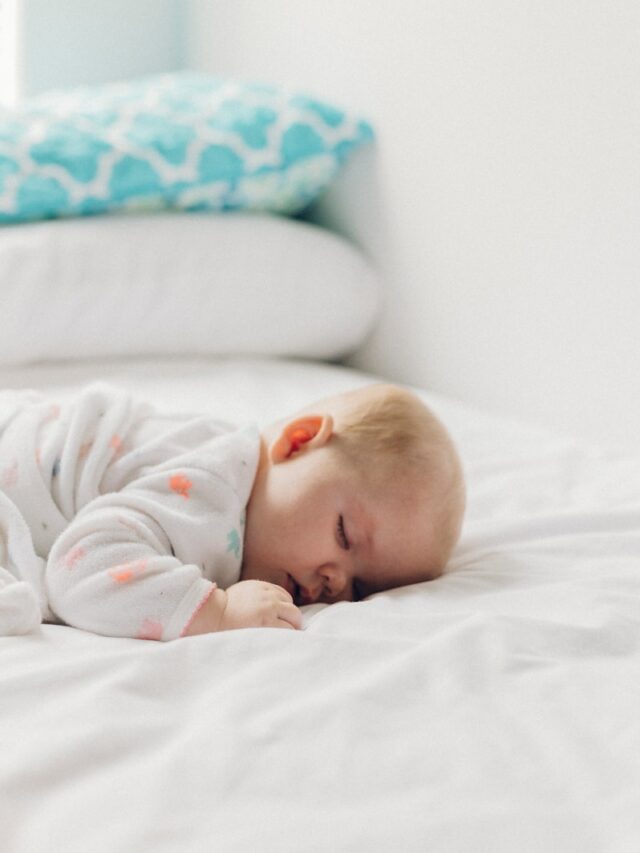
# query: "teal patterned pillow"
185, 140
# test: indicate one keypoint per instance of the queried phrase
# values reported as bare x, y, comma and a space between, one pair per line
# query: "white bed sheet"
495, 709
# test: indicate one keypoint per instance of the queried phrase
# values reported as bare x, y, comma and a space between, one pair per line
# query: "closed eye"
342, 536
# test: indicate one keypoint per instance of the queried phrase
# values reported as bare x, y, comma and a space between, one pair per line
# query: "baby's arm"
115, 571
112, 572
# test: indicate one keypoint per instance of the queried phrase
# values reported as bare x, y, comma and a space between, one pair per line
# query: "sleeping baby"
130, 522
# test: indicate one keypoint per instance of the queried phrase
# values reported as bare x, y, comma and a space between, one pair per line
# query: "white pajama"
134, 515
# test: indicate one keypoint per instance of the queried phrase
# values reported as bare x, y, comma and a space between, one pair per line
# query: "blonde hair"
392, 426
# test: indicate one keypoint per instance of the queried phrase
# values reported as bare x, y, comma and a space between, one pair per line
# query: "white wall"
503, 200
8, 52
77, 42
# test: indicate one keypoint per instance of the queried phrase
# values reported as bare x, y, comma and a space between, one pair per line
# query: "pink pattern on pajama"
71, 557
127, 571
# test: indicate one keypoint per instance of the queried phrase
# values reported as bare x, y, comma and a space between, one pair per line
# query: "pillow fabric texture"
184, 140
175, 283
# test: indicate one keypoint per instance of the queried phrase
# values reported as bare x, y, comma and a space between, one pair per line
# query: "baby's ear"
300, 434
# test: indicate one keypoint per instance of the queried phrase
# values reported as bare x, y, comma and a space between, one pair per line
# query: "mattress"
496, 708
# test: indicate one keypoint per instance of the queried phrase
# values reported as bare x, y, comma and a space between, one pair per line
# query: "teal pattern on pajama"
134, 515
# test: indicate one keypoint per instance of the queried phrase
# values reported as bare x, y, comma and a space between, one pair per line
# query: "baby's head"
354, 494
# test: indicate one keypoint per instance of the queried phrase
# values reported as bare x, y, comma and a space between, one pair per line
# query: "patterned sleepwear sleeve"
141, 561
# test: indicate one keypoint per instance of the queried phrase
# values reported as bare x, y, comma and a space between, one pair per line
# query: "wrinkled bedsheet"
494, 709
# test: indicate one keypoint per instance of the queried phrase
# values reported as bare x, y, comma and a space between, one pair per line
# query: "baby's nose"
334, 579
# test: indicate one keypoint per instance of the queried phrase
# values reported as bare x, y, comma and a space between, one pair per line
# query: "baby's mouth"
294, 589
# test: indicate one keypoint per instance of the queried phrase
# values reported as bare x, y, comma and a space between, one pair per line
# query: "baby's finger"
291, 614
282, 593
281, 623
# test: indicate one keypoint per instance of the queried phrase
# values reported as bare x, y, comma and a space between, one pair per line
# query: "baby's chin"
247, 572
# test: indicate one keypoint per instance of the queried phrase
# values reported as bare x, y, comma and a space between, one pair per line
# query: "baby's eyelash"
342, 535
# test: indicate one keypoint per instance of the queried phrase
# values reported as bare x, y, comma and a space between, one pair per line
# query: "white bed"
494, 709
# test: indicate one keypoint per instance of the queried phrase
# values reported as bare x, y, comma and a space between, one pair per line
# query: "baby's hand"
258, 604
